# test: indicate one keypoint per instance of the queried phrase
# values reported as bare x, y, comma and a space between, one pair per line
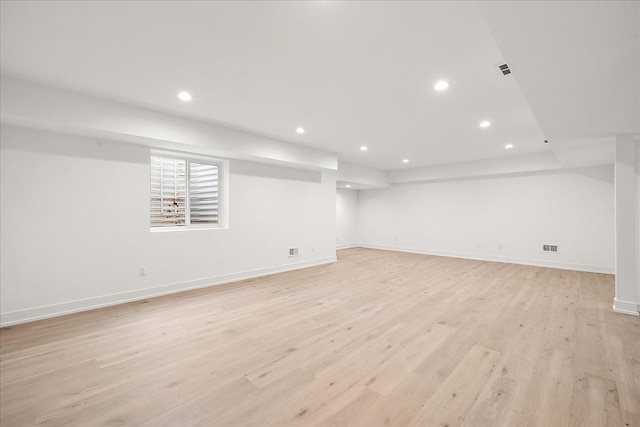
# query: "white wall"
75, 226
346, 218
360, 177
472, 218
637, 143
34, 105
522, 163
626, 217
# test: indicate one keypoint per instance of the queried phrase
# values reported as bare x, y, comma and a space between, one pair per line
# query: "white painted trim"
626, 307
347, 246
43, 312
497, 258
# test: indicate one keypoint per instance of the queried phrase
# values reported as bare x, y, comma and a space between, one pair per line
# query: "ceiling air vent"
549, 248
505, 69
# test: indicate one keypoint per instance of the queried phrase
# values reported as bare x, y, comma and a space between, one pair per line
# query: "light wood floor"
377, 339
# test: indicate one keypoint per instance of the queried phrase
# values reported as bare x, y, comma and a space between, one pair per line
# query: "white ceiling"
576, 62
351, 73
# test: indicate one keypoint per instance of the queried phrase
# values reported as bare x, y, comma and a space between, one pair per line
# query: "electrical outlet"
142, 272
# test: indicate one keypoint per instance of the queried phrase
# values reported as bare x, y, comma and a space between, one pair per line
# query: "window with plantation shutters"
168, 192
184, 193
203, 193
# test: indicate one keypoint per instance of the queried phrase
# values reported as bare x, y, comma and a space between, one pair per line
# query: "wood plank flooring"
377, 339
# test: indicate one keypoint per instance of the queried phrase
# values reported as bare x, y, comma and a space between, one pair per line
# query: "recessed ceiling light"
348, 185
300, 130
405, 160
485, 124
508, 146
184, 96
363, 148
441, 85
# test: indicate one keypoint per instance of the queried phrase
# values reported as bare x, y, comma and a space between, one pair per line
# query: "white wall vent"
293, 252
549, 248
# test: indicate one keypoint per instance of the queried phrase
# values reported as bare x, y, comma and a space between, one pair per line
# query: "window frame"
223, 190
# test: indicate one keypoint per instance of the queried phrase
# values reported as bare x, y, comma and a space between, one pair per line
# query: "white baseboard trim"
54, 310
347, 246
626, 307
497, 258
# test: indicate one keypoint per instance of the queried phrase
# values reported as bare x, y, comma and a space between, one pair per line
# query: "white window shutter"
168, 192
203, 193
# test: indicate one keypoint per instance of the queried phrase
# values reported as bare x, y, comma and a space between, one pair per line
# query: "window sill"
174, 229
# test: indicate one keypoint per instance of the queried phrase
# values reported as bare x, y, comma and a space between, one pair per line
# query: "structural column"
627, 227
